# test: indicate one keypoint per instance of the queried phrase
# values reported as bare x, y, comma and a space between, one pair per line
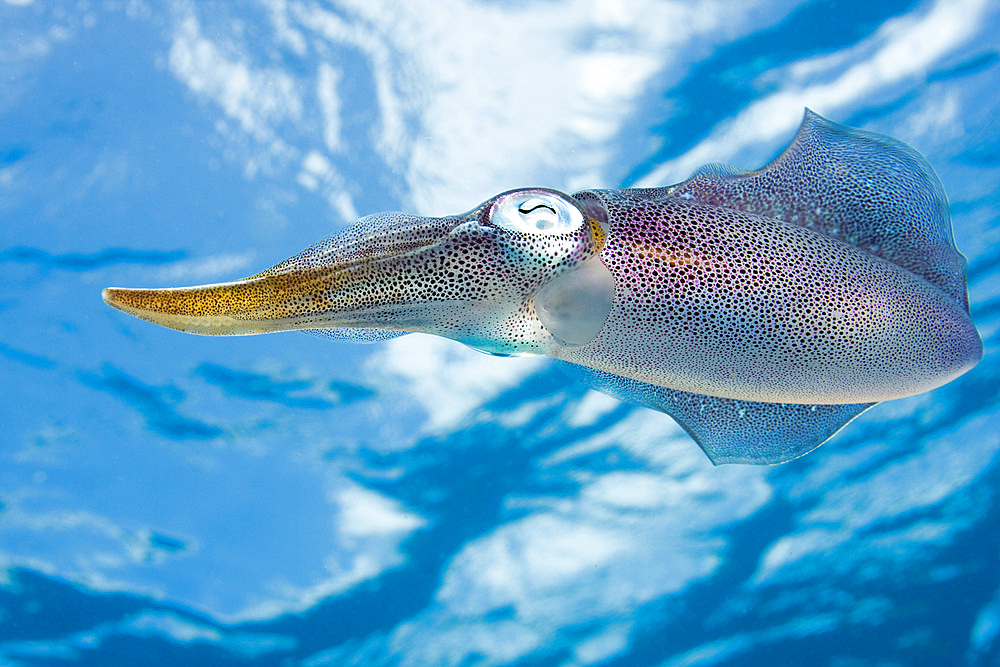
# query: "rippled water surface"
281, 499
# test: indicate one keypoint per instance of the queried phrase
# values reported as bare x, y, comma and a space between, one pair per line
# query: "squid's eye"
536, 212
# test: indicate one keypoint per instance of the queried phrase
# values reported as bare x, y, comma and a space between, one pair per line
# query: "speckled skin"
726, 303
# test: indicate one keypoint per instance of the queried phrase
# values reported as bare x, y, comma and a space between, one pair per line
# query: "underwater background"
169, 499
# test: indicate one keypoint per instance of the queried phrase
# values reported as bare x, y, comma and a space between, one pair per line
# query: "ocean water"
281, 499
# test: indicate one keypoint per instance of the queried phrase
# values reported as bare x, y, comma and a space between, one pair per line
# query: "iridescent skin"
762, 310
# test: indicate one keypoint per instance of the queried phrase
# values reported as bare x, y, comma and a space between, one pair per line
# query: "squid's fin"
731, 430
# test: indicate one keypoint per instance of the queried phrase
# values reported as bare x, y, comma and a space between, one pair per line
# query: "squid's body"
763, 310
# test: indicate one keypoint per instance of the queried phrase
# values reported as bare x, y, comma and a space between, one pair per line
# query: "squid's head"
520, 274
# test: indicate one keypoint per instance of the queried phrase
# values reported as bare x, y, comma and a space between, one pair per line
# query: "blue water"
281, 499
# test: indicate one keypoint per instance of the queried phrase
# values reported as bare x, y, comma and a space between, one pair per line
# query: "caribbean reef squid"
762, 310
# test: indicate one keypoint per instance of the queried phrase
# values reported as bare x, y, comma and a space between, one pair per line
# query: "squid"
763, 310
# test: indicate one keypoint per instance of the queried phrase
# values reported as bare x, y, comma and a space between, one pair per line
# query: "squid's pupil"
542, 221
